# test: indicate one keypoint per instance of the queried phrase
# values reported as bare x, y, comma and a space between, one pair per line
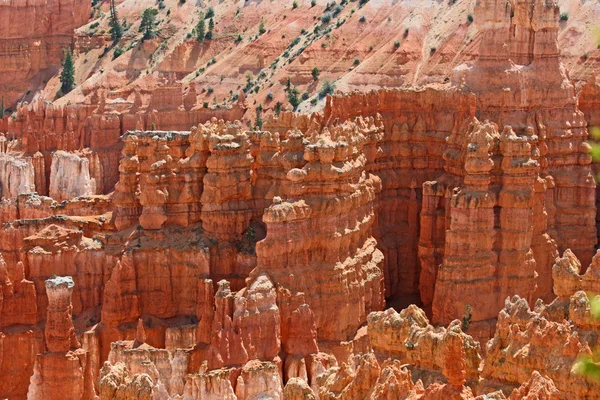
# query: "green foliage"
327, 89
316, 73
211, 27
278, 108
313, 3
466, 318
116, 29
564, 16
148, 22
586, 366
261, 27
153, 127
293, 98
595, 307
210, 13
200, 30
595, 147
294, 5
258, 123
118, 52
356, 61
67, 76
396, 44
362, 19
590, 366
250, 233
470, 17
2, 109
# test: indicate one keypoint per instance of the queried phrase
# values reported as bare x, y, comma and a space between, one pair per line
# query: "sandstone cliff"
190, 250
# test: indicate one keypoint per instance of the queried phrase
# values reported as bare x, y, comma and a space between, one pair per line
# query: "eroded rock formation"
219, 262
32, 38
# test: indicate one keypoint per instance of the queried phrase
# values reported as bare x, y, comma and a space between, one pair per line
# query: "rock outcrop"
32, 38
64, 370
330, 207
206, 260
70, 177
17, 176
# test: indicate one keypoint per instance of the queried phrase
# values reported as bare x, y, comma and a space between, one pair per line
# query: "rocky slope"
399, 243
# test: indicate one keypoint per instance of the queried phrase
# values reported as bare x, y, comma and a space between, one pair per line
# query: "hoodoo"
355, 200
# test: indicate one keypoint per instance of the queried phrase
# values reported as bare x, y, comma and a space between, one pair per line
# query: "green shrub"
118, 52
327, 88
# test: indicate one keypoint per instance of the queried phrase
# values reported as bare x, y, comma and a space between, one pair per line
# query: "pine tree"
259, 120
116, 29
293, 98
316, 73
67, 77
211, 27
2, 109
147, 24
200, 30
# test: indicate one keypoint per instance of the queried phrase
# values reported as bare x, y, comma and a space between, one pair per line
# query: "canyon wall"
235, 263
33, 36
91, 132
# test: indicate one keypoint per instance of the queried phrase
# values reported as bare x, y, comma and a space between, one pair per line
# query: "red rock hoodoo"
170, 229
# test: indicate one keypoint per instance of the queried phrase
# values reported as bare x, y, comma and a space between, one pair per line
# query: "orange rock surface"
172, 229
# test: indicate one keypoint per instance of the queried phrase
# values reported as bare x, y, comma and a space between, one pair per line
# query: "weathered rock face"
551, 344
64, 369
491, 190
589, 104
234, 264
93, 131
70, 177
509, 196
227, 196
568, 279
60, 334
32, 38
330, 207
409, 337
404, 148
520, 40
116, 383
16, 176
